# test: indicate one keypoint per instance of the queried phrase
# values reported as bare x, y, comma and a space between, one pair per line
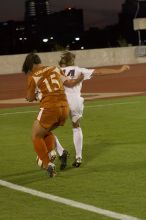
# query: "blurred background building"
43, 29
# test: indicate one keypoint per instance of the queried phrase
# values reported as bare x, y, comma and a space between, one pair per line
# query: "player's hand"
81, 76
125, 67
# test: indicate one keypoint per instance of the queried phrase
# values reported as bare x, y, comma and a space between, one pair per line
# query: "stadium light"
22, 38
45, 40
77, 38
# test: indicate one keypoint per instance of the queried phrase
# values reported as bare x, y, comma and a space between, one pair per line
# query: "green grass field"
112, 176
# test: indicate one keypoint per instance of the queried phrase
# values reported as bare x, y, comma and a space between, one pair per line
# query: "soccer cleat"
63, 159
77, 162
51, 170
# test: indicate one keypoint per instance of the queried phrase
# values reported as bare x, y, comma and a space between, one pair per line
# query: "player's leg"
64, 113
43, 139
38, 134
47, 120
78, 143
50, 143
63, 154
76, 112
58, 146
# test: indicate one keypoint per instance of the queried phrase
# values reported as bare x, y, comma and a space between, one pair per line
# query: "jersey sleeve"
86, 72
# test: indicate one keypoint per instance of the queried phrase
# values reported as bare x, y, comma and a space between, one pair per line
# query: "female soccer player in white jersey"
76, 103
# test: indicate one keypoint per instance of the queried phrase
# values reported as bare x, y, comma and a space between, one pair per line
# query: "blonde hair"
67, 59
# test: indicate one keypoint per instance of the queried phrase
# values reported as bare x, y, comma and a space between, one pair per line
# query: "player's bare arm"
104, 71
31, 93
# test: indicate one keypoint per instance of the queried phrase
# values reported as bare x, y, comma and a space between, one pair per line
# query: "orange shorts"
53, 117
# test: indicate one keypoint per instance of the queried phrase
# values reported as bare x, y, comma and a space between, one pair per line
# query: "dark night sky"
97, 13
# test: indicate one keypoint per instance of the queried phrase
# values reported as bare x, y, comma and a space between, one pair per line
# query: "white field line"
68, 202
15, 113
87, 106
112, 104
87, 96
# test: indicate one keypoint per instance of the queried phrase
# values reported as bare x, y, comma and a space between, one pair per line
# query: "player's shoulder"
69, 67
79, 69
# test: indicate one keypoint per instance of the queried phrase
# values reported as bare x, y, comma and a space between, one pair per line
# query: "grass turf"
113, 173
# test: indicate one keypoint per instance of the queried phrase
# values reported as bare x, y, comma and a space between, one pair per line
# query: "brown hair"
67, 59
29, 61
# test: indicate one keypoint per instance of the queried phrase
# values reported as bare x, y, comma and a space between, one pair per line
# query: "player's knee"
76, 124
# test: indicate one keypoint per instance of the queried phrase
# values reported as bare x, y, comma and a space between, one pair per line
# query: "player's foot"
51, 170
77, 162
63, 159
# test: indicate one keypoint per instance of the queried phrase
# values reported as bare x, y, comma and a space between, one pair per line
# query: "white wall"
84, 58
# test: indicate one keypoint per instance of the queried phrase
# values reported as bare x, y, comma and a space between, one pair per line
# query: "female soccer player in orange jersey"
47, 83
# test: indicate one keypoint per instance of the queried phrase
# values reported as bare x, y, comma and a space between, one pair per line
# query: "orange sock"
50, 141
41, 150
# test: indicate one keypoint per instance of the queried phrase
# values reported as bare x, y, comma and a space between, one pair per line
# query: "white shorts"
76, 105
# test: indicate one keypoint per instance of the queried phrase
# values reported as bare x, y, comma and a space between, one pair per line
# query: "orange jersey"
47, 84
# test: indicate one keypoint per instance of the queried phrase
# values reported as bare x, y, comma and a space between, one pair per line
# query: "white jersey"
75, 101
72, 72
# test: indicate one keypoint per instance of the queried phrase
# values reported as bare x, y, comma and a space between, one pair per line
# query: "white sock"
58, 146
78, 141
